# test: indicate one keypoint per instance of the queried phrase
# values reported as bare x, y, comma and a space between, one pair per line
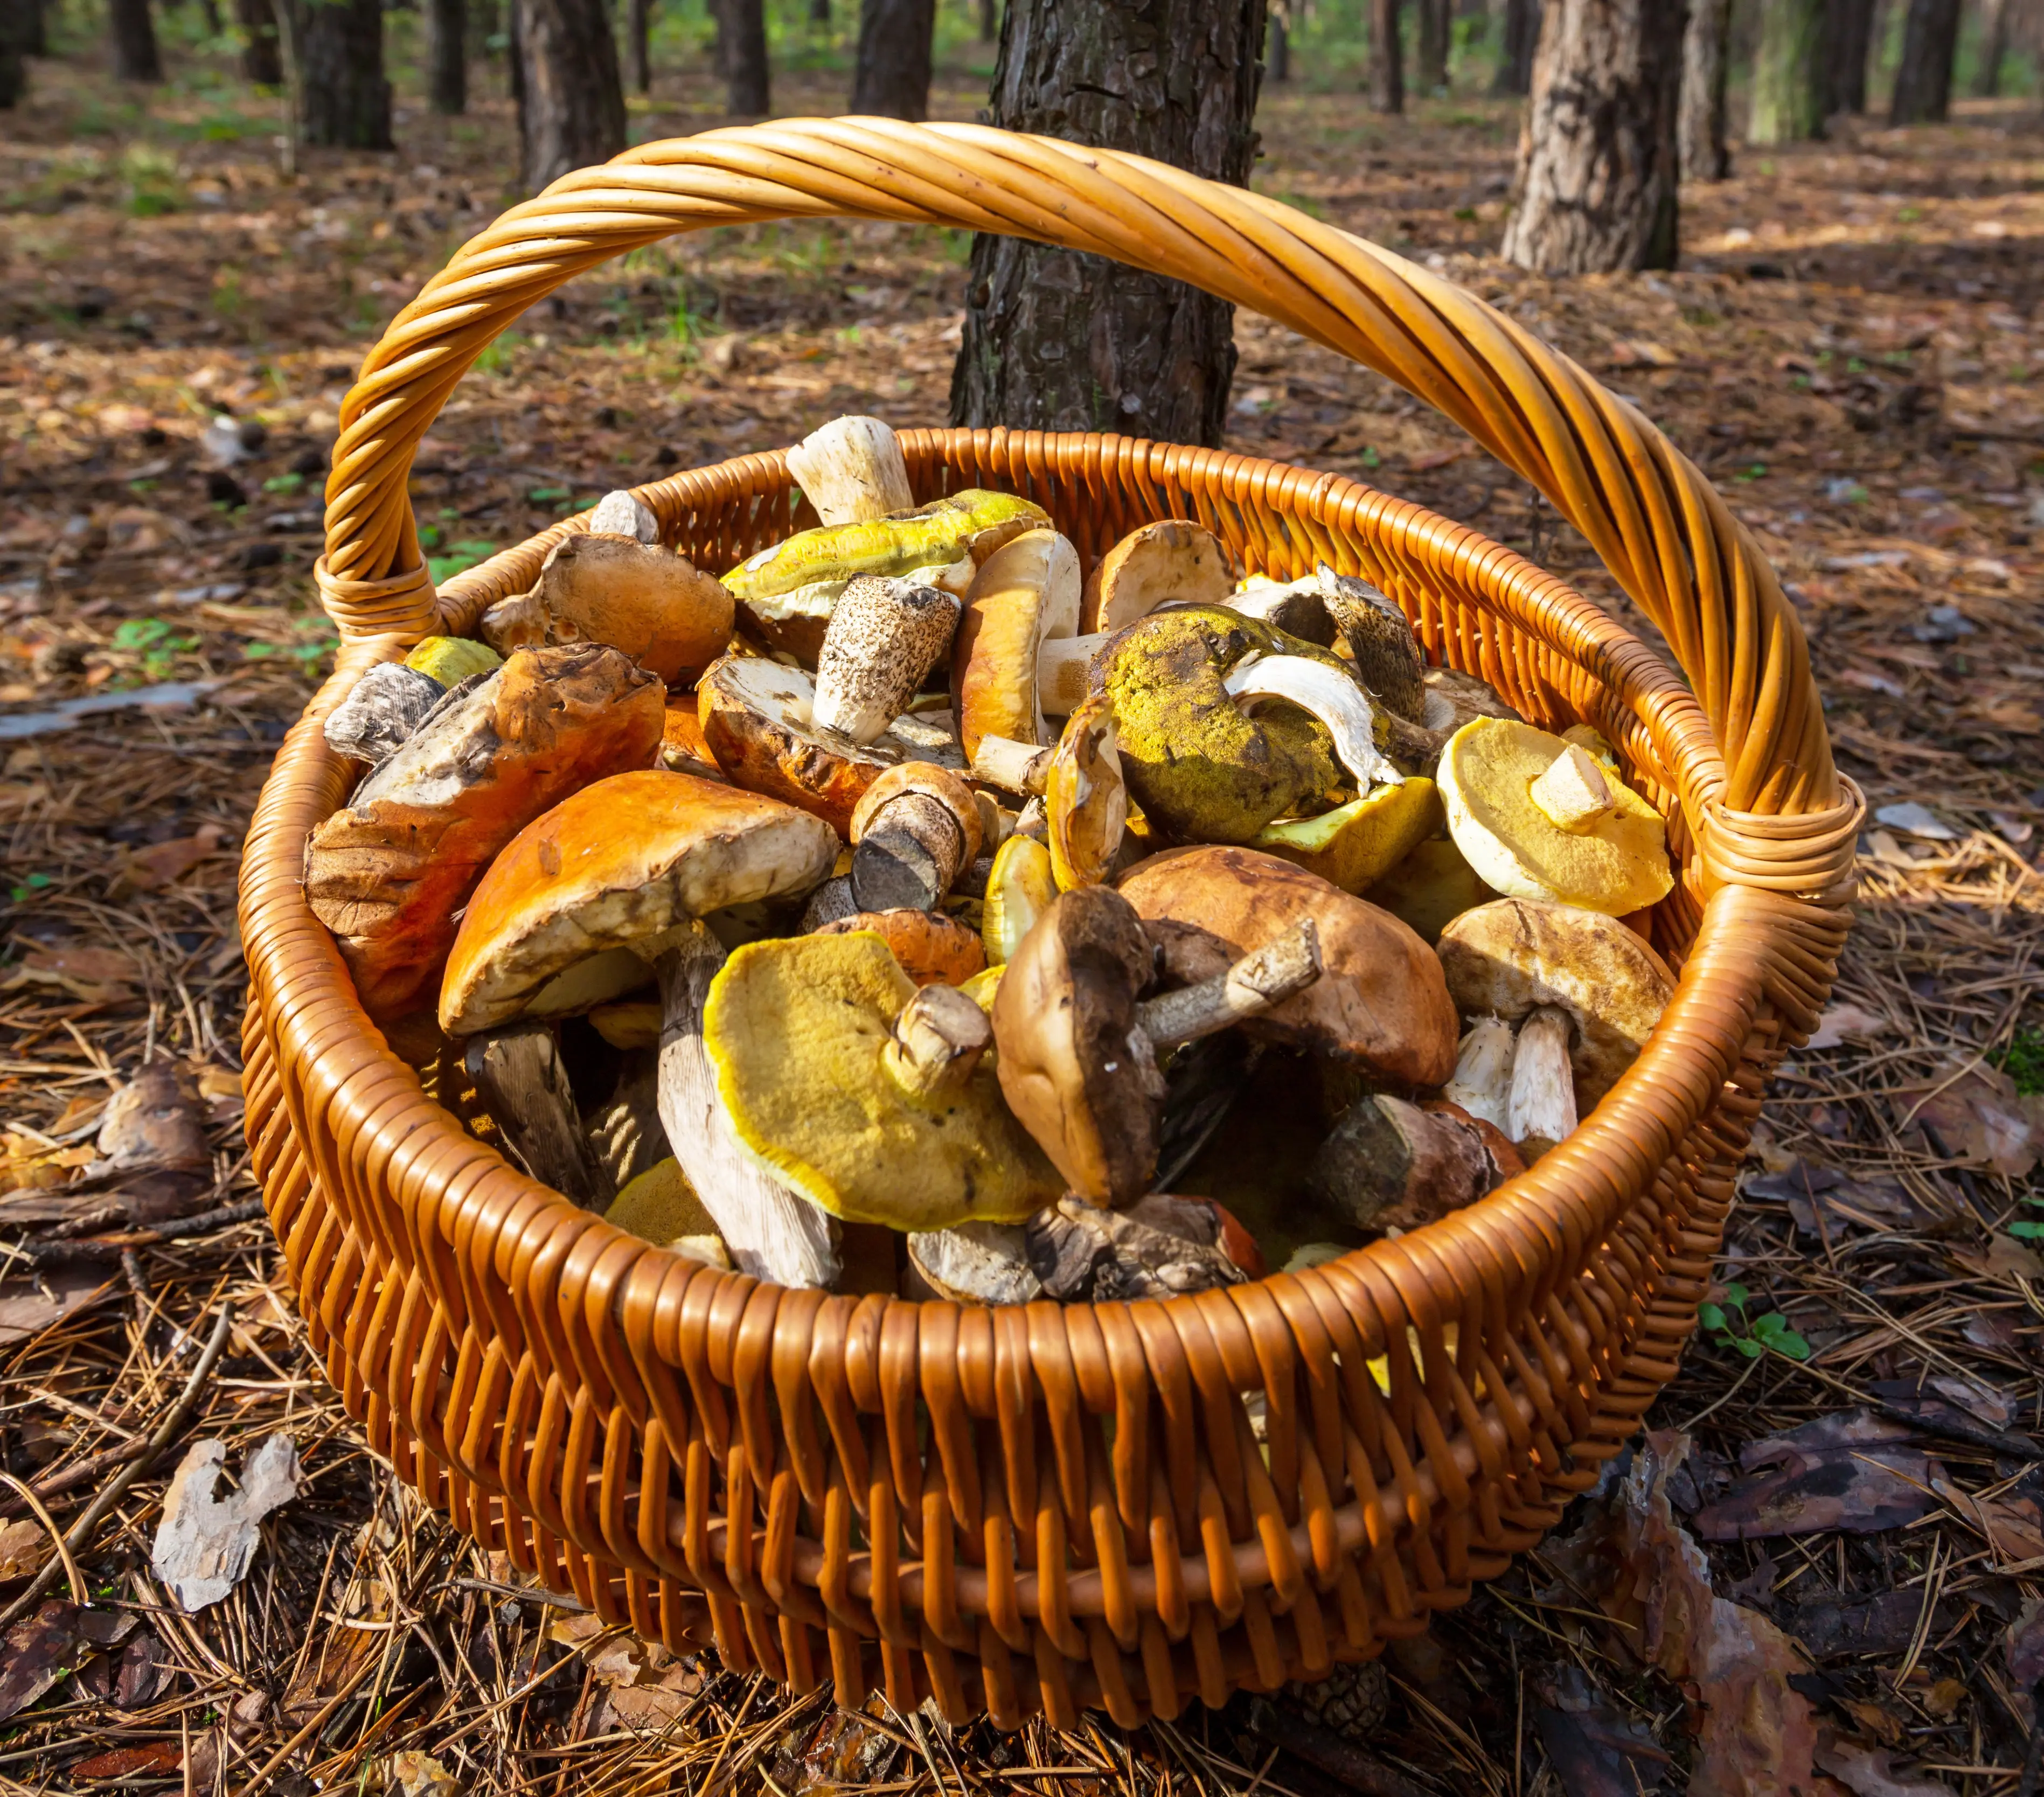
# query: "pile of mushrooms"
909, 909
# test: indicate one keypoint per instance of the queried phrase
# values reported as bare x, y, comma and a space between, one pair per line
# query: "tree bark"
1848, 38
1431, 46
1521, 37
892, 77
1277, 42
742, 37
447, 55
639, 36
571, 104
989, 19
34, 28
136, 57
1705, 155
1996, 18
1056, 341
1387, 58
209, 11
347, 97
1597, 188
13, 64
1923, 80
1791, 79
260, 63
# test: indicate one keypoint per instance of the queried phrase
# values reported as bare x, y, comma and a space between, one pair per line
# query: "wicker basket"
1048, 1508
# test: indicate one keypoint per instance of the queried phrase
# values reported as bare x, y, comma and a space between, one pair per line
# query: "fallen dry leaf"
1596, 1751
162, 864
1979, 1118
1846, 1022
1869, 1771
40, 1648
204, 1543
28, 1309
411, 1774
24, 1547
97, 976
158, 1120
131, 1762
1852, 1471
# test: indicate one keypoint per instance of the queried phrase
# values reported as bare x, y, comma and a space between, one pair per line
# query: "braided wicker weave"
1044, 1508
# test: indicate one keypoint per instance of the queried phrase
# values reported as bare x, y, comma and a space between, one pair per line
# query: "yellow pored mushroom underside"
794, 1028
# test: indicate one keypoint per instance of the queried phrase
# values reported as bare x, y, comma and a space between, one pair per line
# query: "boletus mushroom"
851, 471
1356, 844
1078, 1043
913, 831
931, 948
1388, 1164
381, 711
1024, 598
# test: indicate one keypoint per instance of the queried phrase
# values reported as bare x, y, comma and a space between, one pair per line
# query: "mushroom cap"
1024, 594
795, 1028
1510, 957
451, 659
931, 948
1021, 886
1378, 1003
1357, 842
1431, 885
1617, 864
1171, 559
756, 721
935, 782
1085, 797
660, 1205
1194, 759
682, 749
930, 536
621, 861
642, 597
1092, 1098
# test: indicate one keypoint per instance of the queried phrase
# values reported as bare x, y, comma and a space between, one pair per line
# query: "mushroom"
788, 592
1377, 1007
1481, 1084
1514, 957
1079, 1045
622, 512
758, 723
868, 1097
1085, 798
637, 596
976, 1263
1171, 559
1431, 886
1025, 596
931, 948
1195, 760
1298, 608
389, 874
851, 471
1388, 660
451, 660
623, 1131
885, 633
1020, 889
518, 1075
660, 1206
1357, 843
1162, 1246
913, 831
1538, 819
683, 747
1389, 1165
386, 705
1540, 1108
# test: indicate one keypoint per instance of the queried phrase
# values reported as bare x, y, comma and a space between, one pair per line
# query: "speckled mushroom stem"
1288, 964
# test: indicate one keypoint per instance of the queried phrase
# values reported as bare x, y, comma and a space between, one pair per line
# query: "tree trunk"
13, 66
1996, 18
1791, 74
639, 36
989, 19
1848, 37
1387, 58
209, 11
1431, 46
514, 46
136, 57
1597, 155
892, 78
447, 55
1056, 341
742, 37
1521, 37
1705, 156
820, 12
571, 109
260, 64
347, 97
1923, 80
35, 35
1277, 42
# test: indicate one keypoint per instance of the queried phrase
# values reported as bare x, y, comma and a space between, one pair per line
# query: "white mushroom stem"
1574, 793
1013, 766
1542, 1103
519, 1076
1288, 964
937, 1041
625, 514
1064, 669
884, 634
1482, 1082
772, 1232
1330, 695
852, 471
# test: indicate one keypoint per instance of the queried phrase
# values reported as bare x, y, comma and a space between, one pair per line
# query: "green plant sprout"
2023, 1061
1751, 1336
2029, 1229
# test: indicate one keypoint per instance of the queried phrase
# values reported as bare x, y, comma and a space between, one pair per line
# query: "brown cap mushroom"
1378, 1005
1079, 1045
913, 831
1389, 1165
1083, 797
1171, 559
1514, 957
1025, 595
931, 948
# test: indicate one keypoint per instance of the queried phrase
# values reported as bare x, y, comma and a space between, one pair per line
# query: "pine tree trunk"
639, 38
1387, 58
892, 77
209, 11
447, 55
571, 108
1277, 42
13, 64
1923, 80
260, 64
989, 19
35, 35
1791, 79
347, 97
1431, 46
1705, 156
1521, 37
136, 57
1597, 188
820, 12
1994, 22
1056, 341
742, 36
1848, 38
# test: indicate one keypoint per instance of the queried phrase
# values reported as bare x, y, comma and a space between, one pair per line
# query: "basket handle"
1664, 533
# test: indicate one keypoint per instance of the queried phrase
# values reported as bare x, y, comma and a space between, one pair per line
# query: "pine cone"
1351, 1700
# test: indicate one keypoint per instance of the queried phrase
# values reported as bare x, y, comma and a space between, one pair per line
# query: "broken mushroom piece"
1540, 1109
1162, 1247
389, 874
451, 659
1381, 1005
1514, 957
1025, 596
1388, 658
884, 635
1323, 691
930, 947
976, 1263
1020, 887
1482, 1081
1078, 1045
1298, 608
1537, 818
866, 1097
913, 831
1430, 887
1085, 797
1355, 844
1389, 1165
622, 512
851, 471
377, 717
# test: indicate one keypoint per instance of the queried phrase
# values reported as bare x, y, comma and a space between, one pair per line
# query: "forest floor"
1854, 348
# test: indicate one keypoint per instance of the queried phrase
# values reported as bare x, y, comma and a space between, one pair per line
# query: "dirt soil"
1853, 350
